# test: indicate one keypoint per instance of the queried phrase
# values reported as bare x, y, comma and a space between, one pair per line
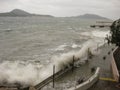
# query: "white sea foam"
31, 74
75, 45
14, 72
61, 47
65, 59
99, 34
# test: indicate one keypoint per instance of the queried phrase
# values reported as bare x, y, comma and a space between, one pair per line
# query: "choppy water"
29, 46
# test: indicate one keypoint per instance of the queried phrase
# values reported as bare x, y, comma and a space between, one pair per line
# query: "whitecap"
75, 45
101, 34
61, 47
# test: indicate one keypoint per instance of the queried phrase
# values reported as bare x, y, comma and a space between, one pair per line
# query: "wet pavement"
102, 60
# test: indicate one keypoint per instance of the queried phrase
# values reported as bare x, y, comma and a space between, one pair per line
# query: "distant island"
20, 13
90, 16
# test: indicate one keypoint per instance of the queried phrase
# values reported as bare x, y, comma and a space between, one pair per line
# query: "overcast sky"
61, 8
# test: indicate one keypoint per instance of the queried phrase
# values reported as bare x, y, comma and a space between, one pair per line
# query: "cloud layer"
108, 8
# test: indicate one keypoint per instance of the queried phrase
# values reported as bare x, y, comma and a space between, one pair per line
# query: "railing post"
73, 62
53, 76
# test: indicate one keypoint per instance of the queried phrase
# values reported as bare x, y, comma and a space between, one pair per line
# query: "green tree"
115, 33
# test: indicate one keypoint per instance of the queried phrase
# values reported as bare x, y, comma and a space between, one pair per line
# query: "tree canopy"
115, 33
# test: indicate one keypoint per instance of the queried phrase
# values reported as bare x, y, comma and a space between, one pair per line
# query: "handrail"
87, 84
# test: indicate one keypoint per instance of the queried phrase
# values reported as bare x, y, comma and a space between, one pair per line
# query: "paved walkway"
105, 65
103, 60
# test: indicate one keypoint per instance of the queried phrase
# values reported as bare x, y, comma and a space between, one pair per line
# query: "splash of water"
30, 74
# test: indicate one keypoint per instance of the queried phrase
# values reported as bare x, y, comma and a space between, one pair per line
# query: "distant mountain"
20, 13
90, 16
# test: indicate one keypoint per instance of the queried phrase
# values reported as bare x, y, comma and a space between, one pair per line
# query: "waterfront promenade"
103, 60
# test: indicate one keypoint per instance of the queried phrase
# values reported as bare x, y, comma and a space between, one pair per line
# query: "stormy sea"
30, 46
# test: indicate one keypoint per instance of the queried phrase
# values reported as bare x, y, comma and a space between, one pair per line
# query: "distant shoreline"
22, 13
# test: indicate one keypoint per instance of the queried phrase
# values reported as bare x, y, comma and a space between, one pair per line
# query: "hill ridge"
20, 13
